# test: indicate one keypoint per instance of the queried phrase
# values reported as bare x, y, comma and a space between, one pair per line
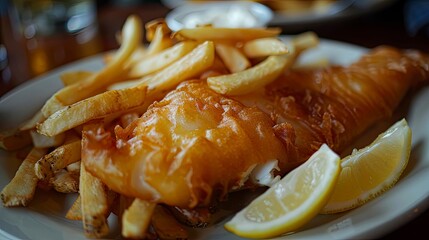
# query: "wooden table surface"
382, 27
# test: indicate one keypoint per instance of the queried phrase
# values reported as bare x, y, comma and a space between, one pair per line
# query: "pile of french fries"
231, 61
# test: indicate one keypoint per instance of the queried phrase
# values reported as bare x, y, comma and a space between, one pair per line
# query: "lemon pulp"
372, 170
292, 201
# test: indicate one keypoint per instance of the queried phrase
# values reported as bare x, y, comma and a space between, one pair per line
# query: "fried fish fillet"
334, 105
189, 146
196, 145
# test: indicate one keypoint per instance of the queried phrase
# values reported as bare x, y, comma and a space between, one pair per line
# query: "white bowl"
220, 14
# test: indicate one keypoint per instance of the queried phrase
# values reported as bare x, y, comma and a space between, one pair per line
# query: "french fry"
75, 211
58, 159
95, 107
233, 58
21, 189
263, 73
317, 63
303, 41
70, 94
156, 62
65, 182
160, 40
94, 204
136, 55
32, 122
124, 84
69, 78
158, 34
250, 79
192, 64
218, 68
12, 140
124, 203
136, 219
166, 226
43, 141
225, 34
264, 47
153, 25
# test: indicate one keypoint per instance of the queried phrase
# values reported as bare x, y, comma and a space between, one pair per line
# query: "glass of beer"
55, 31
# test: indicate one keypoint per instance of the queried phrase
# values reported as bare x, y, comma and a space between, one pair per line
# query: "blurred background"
37, 36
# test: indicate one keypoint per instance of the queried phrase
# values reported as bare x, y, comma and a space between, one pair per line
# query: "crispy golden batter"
334, 105
191, 145
196, 143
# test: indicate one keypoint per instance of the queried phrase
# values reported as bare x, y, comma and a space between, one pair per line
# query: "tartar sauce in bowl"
220, 14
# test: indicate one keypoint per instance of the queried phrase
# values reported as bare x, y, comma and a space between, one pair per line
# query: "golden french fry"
226, 34
161, 39
303, 41
192, 64
160, 42
94, 204
122, 204
43, 141
69, 78
156, 62
166, 226
58, 159
136, 219
21, 189
12, 140
32, 122
218, 68
317, 63
95, 107
153, 25
263, 73
137, 54
65, 182
124, 84
233, 58
70, 94
264, 47
75, 211
250, 79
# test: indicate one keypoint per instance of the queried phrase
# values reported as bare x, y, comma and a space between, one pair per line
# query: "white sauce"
231, 17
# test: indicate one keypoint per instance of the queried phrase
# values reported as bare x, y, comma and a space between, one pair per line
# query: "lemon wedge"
291, 202
372, 170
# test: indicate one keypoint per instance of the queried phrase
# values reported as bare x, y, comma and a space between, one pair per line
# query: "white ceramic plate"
44, 218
